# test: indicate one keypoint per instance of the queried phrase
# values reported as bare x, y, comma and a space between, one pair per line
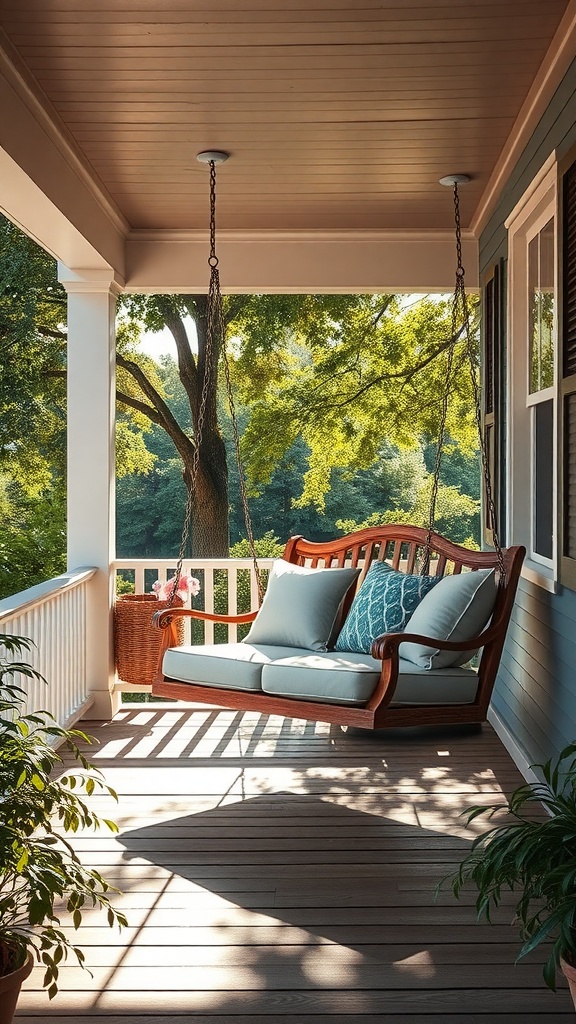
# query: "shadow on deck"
283, 872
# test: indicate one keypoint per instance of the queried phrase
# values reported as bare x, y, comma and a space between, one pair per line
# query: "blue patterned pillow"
383, 604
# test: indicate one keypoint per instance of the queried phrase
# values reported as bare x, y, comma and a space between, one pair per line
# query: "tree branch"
404, 375
183, 444
148, 410
49, 333
187, 366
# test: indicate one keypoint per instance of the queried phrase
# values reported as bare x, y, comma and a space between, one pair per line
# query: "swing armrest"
385, 649
386, 646
163, 619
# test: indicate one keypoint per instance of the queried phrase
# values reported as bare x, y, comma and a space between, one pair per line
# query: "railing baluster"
232, 602
53, 615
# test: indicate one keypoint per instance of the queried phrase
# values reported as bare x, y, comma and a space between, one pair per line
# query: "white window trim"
538, 204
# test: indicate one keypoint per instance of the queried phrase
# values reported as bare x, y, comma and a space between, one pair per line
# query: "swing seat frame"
402, 547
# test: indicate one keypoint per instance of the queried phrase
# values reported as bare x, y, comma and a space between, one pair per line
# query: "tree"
406, 497
33, 309
380, 376
339, 373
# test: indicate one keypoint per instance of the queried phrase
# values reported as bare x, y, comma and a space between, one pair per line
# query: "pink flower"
188, 586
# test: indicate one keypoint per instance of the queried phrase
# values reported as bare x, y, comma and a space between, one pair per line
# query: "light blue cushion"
350, 678
233, 666
457, 609
383, 604
300, 606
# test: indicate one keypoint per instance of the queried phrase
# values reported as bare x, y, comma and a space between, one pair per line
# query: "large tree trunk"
199, 376
209, 528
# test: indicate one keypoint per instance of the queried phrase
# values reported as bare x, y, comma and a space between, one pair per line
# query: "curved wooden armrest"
163, 619
386, 646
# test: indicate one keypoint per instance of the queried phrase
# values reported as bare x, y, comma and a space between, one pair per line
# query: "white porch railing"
53, 615
223, 582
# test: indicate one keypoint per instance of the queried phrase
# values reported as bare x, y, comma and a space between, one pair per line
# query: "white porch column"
92, 298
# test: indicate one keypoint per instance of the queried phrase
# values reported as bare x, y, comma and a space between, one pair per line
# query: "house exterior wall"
535, 694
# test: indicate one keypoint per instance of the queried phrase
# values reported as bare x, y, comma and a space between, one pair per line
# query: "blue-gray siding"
535, 694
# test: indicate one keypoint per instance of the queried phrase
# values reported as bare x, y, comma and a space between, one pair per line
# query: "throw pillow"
300, 606
383, 604
457, 609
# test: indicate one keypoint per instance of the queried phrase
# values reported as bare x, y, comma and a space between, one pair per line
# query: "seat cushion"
457, 609
384, 603
231, 666
300, 606
351, 677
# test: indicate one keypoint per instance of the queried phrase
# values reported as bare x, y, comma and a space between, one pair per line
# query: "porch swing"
309, 653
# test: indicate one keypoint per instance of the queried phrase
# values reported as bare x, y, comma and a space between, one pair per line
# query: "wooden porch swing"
401, 693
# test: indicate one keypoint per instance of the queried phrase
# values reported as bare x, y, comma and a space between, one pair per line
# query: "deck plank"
285, 872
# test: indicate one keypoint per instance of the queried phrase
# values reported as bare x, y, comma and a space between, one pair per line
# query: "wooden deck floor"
283, 872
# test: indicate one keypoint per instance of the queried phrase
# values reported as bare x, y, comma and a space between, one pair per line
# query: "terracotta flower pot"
10, 985
569, 973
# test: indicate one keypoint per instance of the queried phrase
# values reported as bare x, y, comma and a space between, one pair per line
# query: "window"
533, 377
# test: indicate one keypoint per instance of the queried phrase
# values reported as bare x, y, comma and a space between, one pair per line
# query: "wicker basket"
136, 641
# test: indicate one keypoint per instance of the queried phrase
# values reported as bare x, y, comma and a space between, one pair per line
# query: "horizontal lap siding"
535, 694
556, 131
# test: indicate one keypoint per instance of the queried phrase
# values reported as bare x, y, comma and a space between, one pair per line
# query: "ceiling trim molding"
14, 70
177, 235
560, 54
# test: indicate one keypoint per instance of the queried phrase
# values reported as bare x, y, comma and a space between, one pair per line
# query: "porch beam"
91, 463
299, 262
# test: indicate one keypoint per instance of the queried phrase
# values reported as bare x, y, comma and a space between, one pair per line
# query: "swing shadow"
320, 898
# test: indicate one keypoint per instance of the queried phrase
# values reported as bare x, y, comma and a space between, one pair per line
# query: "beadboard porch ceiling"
338, 115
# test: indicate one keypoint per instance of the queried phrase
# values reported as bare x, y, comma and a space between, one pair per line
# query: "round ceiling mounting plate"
216, 156
455, 179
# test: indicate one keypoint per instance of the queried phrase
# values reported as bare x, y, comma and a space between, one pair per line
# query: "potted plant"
40, 874
534, 856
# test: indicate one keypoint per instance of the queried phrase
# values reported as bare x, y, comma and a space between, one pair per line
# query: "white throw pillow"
456, 609
300, 606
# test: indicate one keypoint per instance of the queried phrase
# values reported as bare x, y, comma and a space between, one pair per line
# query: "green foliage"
406, 489
33, 313
39, 869
370, 370
32, 369
534, 857
33, 539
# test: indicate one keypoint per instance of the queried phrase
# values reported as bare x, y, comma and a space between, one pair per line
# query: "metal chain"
460, 303
425, 565
241, 476
215, 341
214, 330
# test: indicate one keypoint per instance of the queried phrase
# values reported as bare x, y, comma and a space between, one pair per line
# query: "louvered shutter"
567, 327
492, 348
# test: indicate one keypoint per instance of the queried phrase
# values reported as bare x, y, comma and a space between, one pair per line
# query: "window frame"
537, 206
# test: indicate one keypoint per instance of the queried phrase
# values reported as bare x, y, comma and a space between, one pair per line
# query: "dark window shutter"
489, 344
567, 336
570, 476
492, 351
569, 274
